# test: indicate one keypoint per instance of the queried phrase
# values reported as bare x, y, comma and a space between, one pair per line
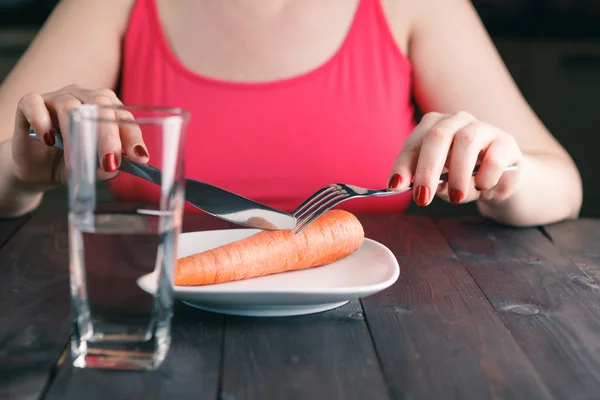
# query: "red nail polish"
422, 196
49, 138
456, 196
394, 181
140, 151
109, 163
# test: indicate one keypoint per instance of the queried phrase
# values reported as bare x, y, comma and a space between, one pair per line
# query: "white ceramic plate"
368, 270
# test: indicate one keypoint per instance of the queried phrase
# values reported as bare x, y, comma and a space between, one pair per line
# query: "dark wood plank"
320, 356
8, 226
436, 334
537, 291
580, 240
190, 371
34, 304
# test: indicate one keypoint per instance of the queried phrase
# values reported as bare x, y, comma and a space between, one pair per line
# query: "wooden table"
480, 311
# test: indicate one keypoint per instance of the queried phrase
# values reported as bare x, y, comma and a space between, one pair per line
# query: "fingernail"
394, 181
422, 196
109, 162
140, 151
49, 138
456, 196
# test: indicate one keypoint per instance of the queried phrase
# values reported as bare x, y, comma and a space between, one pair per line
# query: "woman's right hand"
40, 164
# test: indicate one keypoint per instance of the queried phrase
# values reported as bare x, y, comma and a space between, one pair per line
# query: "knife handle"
58, 140
143, 171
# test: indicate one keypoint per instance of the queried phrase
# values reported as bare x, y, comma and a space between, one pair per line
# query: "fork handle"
443, 179
444, 176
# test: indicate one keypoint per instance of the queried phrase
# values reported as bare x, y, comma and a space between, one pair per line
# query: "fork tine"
318, 202
312, 199
317, 212
303, 223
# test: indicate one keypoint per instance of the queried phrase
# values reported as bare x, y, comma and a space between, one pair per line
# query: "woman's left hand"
456, 143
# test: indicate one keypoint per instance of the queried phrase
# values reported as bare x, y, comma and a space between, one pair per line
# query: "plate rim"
217, 288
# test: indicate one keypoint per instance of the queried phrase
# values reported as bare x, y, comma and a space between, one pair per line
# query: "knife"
211, 199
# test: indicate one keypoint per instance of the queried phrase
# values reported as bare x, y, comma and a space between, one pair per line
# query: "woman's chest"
229, 41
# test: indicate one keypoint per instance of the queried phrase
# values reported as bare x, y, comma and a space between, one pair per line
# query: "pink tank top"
277, 142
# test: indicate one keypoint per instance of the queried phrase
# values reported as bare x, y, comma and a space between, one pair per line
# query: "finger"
60, 104
500, 154
108, 135
402, 171
109, 139
433, 155
90, 96
109, 145
32, 111
130, 133
131, 137
468, 142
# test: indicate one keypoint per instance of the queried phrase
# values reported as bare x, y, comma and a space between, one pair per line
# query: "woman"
287, 96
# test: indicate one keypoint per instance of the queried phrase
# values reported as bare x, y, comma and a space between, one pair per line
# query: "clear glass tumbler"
123, 230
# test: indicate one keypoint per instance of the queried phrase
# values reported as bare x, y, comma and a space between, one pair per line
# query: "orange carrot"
331, 237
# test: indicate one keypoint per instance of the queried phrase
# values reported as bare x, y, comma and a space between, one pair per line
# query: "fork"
331, 195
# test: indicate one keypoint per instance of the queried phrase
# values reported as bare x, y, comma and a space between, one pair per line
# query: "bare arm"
458, 68
80, 43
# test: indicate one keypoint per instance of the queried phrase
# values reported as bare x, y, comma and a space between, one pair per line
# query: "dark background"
552, 49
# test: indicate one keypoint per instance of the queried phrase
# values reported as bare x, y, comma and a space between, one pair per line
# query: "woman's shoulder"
408, 19
80, 43
115, 11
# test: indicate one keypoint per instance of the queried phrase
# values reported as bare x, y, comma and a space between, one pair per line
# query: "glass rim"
171, 113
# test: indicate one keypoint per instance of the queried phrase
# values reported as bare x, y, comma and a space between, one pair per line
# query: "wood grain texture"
436, 334
190, 371
538, 292
479, 311
321, 356
580, 241
34, 304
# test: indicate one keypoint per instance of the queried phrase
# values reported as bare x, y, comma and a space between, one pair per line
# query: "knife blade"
211, 199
